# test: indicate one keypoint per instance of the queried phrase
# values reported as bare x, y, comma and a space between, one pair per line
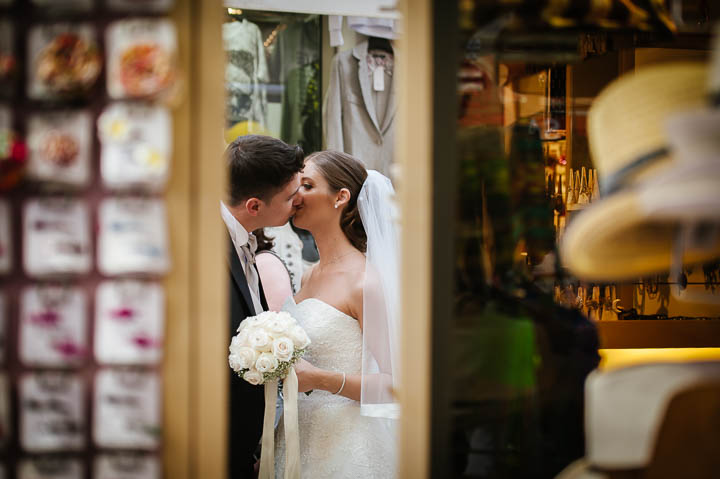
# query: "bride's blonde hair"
341, 170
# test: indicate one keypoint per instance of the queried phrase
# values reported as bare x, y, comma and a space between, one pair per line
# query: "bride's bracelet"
342, 386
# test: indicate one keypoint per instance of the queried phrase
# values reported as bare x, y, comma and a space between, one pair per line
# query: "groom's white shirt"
245, 246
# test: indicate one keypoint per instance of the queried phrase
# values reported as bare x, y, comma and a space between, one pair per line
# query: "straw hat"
653, 143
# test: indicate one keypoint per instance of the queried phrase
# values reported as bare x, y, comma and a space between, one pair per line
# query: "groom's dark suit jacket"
247, 402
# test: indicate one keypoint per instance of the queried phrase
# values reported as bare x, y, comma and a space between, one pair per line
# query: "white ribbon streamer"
292, 435
267, 453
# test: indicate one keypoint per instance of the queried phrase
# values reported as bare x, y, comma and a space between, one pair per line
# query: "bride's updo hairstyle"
341, 170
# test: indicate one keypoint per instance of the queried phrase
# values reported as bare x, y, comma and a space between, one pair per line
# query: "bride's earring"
335, 205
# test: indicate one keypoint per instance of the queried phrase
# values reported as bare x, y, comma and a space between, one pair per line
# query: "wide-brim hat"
652, 140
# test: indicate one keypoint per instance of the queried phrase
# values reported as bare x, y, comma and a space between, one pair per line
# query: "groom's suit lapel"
238, 275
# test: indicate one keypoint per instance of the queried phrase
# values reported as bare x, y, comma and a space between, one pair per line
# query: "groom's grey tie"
251, 273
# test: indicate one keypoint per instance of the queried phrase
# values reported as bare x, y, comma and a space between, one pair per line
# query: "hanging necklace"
335, 260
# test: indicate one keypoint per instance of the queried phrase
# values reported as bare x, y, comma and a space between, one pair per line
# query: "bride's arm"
313, 378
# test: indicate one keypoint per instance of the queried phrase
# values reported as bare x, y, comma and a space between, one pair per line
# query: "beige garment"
350, 120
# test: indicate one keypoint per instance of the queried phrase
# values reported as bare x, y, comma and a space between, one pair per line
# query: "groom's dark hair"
259, 166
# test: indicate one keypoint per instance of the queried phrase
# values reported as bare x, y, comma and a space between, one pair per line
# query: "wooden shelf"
689, 333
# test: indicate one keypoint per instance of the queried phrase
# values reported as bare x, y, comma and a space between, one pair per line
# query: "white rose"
283, 349
234, 362
266, 363
244, 324
263, 318
278, 324
246, 357
260, 340
253, 377
248, 323
299, 337
234, 343
287, 315
241, 338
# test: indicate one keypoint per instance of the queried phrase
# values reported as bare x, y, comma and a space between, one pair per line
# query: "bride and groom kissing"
347, 304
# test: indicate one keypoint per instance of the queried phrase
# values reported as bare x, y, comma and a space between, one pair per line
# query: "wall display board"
86, 140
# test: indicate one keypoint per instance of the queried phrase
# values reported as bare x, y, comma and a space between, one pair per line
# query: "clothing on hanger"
373, 27
360, 106
246, 72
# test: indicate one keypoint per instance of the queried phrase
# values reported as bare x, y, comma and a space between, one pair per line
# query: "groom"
262, 191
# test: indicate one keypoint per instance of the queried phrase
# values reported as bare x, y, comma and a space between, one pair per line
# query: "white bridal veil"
381, 308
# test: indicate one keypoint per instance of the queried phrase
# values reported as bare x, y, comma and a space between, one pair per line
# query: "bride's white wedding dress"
335, 440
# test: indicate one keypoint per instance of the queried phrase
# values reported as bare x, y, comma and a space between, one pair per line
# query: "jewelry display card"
8, 62
127, 409
88, 90
129, 322
4, 319
5, 424
64, 5
53, 326
136, 146
52, 412
6, 250
50, 468
63, 60
126, 466
132, 236
60, 145
135, 6
5, 112
141, 56
56, 237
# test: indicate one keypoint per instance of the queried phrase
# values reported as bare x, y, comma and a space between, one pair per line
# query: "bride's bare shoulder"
306, 274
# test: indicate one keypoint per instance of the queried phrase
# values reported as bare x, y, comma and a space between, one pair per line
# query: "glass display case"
524, 330
273, 76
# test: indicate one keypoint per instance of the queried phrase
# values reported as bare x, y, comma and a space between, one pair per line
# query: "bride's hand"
306, 374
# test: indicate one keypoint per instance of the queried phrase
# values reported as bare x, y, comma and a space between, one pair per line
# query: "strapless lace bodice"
336, 337
335, 440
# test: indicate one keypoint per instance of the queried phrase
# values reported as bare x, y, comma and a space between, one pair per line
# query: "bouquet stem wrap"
290, 421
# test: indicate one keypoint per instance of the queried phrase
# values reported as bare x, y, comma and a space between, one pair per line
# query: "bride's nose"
298, 198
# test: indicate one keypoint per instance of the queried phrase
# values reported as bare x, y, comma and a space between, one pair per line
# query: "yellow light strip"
618, 358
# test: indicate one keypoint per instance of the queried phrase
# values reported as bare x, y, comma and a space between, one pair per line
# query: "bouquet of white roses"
266, 346
263, 352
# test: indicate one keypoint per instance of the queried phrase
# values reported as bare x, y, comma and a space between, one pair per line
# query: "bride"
348, 307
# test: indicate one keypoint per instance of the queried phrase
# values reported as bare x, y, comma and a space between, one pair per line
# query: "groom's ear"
252, 206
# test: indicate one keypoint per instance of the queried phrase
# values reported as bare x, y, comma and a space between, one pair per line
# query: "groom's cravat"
251, 273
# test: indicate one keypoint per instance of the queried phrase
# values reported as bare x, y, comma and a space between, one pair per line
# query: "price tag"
379, 78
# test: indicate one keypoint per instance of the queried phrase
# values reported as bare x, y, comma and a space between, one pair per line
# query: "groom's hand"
306, 374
